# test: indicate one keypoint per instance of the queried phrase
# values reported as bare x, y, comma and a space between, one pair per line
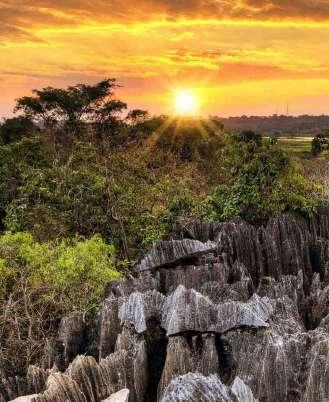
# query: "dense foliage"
319, 144
259, 180
83, 168
41, 282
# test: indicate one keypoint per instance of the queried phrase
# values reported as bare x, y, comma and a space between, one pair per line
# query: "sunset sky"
240, 56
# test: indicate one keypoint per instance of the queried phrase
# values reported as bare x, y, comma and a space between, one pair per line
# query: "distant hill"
280, 125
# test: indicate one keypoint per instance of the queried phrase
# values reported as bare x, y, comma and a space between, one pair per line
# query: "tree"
61, 200
107, 122
319, 143
249, 136
17, 161
14, 129
190, 140
137, 116
72, 107
259, 180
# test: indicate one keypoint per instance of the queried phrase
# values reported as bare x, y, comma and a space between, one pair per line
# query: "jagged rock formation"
230, 312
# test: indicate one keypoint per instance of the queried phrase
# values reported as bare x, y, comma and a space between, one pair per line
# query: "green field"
296, 145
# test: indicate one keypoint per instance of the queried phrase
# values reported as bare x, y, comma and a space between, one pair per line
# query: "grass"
297, 145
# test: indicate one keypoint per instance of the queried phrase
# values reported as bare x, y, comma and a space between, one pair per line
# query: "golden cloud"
227, 47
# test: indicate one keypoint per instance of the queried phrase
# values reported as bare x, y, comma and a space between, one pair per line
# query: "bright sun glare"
186, 102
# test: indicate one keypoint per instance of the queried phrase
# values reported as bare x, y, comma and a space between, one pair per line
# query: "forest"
88, 186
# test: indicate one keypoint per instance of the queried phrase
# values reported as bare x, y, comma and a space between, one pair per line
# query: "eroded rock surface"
230, 313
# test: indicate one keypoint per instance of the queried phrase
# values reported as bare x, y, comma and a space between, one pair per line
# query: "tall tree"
71, 107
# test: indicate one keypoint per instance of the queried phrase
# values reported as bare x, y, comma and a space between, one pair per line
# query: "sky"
252, 57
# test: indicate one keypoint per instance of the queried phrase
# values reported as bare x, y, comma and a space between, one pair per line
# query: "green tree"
14, 129
137, 116
259, 180
17, 160
319, 143
72, 108
191, 140
63, 199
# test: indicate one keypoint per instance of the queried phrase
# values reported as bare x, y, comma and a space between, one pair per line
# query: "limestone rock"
187, 310
120, 396
242, 391
140, 307
231, 313
71, 337
28, 398
186, 354
196, 387
167, 253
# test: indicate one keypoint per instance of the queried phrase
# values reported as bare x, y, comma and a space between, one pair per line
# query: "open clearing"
296, 145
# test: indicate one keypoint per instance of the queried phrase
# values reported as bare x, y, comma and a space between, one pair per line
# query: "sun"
186, 102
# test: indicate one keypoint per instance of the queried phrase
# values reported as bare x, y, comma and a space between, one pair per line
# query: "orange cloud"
153, 46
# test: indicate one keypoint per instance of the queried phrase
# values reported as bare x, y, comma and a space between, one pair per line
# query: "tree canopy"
74, 106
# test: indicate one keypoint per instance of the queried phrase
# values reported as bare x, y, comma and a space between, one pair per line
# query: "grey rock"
233, 313
187, 310
170, 252
242, 391
189, 354
71, 336
27, 398
120, 396
196, 387
317, 385
140, 307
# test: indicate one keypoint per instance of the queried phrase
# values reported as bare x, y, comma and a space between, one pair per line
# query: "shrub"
62, 200
17, 160
259, 180
77, 269
14, 129
41, 282
319, 143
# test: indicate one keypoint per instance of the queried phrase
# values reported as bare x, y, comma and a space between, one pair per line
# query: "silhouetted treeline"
279, 125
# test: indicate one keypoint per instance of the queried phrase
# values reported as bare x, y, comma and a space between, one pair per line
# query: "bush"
259, 180
62, 200
14, 129
74, 271
17, 160
41, 282
191, 140
319, 144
